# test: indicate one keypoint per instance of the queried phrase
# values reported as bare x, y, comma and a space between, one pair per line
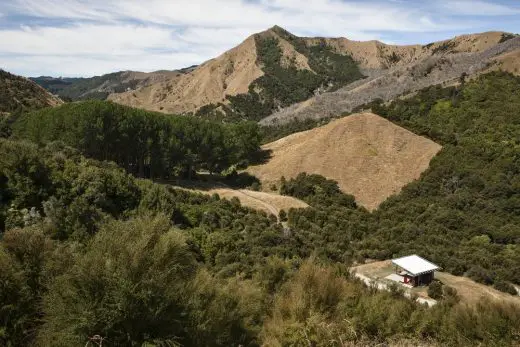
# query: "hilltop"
18, 93
267, 71
370, 157
275, 76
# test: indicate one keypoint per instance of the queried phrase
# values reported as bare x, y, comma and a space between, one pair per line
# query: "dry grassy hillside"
229, 74
370, 157
233, 72
372, 54
444, 63
509, 62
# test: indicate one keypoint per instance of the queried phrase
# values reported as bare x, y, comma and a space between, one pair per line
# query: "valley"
259, 198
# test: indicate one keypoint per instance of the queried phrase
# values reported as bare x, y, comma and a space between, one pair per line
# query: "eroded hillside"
414, 68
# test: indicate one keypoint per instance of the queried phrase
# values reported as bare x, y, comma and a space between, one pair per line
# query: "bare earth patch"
370, 157
268, 202
271, 203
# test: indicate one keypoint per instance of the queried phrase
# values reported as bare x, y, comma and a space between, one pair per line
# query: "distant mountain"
268, 71
20, 94
401, 70
99, 87
275, 76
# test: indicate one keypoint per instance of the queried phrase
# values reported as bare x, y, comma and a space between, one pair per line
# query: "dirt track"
268, 202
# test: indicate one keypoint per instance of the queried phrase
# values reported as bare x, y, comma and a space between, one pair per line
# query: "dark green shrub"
435, 290
505, 287
283, 216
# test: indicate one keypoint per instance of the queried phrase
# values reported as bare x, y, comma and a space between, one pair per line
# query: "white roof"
415, 265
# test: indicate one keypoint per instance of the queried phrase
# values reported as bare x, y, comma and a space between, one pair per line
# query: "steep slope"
278, 76
437, 63
370, 157
99, 87
18, 93
268, 71
229, 74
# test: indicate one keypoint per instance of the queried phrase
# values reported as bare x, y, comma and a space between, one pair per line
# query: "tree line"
146, 144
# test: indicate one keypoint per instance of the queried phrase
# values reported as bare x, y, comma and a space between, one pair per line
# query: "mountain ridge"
276, 76
211, 89
442, 67
99, 87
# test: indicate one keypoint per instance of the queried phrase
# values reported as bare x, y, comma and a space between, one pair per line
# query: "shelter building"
414, 270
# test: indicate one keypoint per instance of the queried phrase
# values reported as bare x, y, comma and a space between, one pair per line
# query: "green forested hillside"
145, 143
88, 249
464, 211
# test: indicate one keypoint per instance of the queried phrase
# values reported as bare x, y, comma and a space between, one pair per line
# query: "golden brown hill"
370, 157
233, 72
229, 74
509, 62
378, 55
19, 93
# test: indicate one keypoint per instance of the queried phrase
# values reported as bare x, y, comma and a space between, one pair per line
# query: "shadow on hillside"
235, 180
261, 157
205, 181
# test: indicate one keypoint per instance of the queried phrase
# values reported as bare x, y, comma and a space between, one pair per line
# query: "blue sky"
93, 37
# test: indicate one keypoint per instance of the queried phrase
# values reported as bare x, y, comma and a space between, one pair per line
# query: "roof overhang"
415, 265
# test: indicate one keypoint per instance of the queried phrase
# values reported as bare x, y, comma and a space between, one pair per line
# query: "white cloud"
332, 15
73, 66
100, 36
72, 9
479, 8
85, 39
